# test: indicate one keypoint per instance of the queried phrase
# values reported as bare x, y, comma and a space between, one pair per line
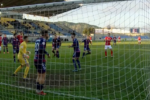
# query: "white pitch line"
57, 93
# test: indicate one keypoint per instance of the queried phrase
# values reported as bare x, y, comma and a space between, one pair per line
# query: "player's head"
0, 34
25, 38
5, 35
108, 34
114, 35
21, 33
73, 35
87, 37
55, 36
44, 34
15, 35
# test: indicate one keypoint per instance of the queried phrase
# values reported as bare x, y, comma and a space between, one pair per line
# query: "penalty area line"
57, 93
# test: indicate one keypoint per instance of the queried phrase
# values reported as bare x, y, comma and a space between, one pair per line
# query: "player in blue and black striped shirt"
15, 43
5, 43
76, 53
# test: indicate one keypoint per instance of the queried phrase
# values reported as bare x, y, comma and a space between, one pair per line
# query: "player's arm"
43, 51
73, 45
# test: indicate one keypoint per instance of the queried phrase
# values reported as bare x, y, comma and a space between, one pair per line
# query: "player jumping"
139, 40
0, 42
107, 45
5, 43
23, 58
15, 43
86, 46
56, 44
114, 39
40, 61
76, 53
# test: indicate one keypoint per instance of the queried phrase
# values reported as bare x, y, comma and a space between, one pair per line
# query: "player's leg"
7, 48
14, 52
74, 62
105, 51
57, 52
89, 51
111, 50
40, 78
77, 60
4, 49
26, 71
84, 52
17, 70
53, 51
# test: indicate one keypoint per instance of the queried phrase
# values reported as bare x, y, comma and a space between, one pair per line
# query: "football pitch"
123, 77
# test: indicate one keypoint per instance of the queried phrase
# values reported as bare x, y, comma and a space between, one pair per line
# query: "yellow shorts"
23, 61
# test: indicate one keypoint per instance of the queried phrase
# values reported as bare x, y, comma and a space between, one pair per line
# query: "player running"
76, 53
56, 44
107, 45
5, 43
40, 61
20, 37
23, 58
114, 39
15, 43
0, 42
139, 40
119, 39
86, 46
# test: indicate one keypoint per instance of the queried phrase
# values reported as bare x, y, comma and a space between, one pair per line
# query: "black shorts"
15, 51
40, 67
76, 54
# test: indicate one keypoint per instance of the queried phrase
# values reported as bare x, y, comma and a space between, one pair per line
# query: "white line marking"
61, 94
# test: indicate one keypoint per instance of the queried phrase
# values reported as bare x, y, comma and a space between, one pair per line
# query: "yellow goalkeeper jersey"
22, 49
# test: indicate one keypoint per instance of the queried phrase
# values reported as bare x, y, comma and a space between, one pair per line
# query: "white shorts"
108, 46
139, 40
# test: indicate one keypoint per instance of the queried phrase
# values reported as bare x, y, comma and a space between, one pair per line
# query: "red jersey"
139, 38
108, 40
20, 38
119, 38
0, 40
90, 38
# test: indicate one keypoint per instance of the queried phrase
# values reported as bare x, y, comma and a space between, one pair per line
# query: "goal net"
125, 76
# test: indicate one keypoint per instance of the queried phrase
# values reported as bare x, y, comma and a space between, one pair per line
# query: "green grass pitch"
123, 77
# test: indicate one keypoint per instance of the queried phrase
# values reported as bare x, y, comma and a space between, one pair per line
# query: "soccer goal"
114, 66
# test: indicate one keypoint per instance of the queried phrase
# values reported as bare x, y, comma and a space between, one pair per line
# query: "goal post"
119, 71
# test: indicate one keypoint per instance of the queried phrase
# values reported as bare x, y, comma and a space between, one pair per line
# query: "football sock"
4, 49
17, 70
105, 53
78, 63
111, 53
26, 72
37, 86
57, 54
83, 54
7, 49
74, 63
14, 58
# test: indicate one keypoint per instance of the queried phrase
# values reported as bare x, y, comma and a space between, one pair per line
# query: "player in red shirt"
0, 41
107, 45
139, 40
91, 39
20, 37
119, 39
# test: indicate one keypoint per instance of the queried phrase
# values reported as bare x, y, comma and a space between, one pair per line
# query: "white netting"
123, 77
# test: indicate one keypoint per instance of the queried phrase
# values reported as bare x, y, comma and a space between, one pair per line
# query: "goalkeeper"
23, 58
